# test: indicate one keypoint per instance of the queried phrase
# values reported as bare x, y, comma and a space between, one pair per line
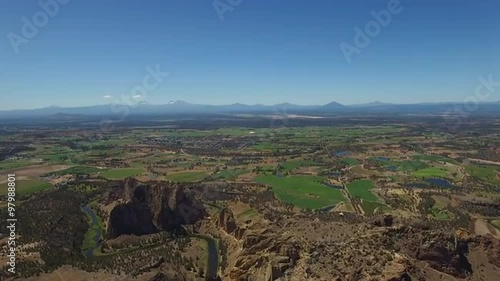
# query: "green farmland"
484, 173
370, 207
350, 161
292, 165
229, 174
25, 187
412, 165
121, 173
432, 173
361, 189
187, 176
305, 192
78, 170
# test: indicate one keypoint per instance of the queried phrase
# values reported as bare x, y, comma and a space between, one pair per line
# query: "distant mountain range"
182, 107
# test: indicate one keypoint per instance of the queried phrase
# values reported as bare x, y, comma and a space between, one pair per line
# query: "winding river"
97, 237
213, 251
213, 255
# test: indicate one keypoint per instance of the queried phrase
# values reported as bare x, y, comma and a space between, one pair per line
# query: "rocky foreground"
276, 242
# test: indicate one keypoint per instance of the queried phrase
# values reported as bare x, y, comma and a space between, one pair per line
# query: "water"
334, 186
213, 255
439, 182
327, 209
97, 238
340, 153
392, 168
417, 185
383, 159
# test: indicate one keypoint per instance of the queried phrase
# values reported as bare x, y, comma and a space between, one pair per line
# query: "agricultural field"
370, 207
229, 174
350, 161
187, 176
121, 173
324, 181
412, 165
292, 165
432, 173
26, 187
306, 192
78, 170
361, 189
487, 174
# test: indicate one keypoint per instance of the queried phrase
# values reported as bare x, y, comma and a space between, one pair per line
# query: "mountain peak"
333, 104
177, 102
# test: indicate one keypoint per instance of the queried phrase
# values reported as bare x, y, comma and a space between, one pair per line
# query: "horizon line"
255, 104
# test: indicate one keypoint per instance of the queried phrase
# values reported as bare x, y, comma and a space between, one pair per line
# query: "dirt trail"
484, 161
354, 202
34, 171
481, 227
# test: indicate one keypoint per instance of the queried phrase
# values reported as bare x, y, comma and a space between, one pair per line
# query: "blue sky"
261, 52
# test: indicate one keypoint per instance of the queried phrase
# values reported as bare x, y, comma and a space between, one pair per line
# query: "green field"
24, 187
12, 164
292, 165
495, 223
412, 165
432, 173
438, 213
305, 192
187, 176
361, 189
266, 146
350, 161
484, 173
121, 173
433, 158
369, 207
229, 174
78, 170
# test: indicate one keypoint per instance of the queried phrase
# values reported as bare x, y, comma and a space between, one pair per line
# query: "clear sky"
261, 52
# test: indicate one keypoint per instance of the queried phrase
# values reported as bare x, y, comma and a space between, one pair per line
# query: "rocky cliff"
152, 206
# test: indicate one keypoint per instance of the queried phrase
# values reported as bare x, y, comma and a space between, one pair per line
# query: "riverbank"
93, 237
213, 255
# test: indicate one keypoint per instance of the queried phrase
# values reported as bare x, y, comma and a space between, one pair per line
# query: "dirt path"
35, 170
480, 227
484, 161
357, 208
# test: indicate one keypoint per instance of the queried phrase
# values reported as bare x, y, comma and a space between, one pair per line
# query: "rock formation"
152, 206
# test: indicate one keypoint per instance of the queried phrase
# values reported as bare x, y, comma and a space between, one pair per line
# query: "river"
97, 237
213, 252
213, 255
